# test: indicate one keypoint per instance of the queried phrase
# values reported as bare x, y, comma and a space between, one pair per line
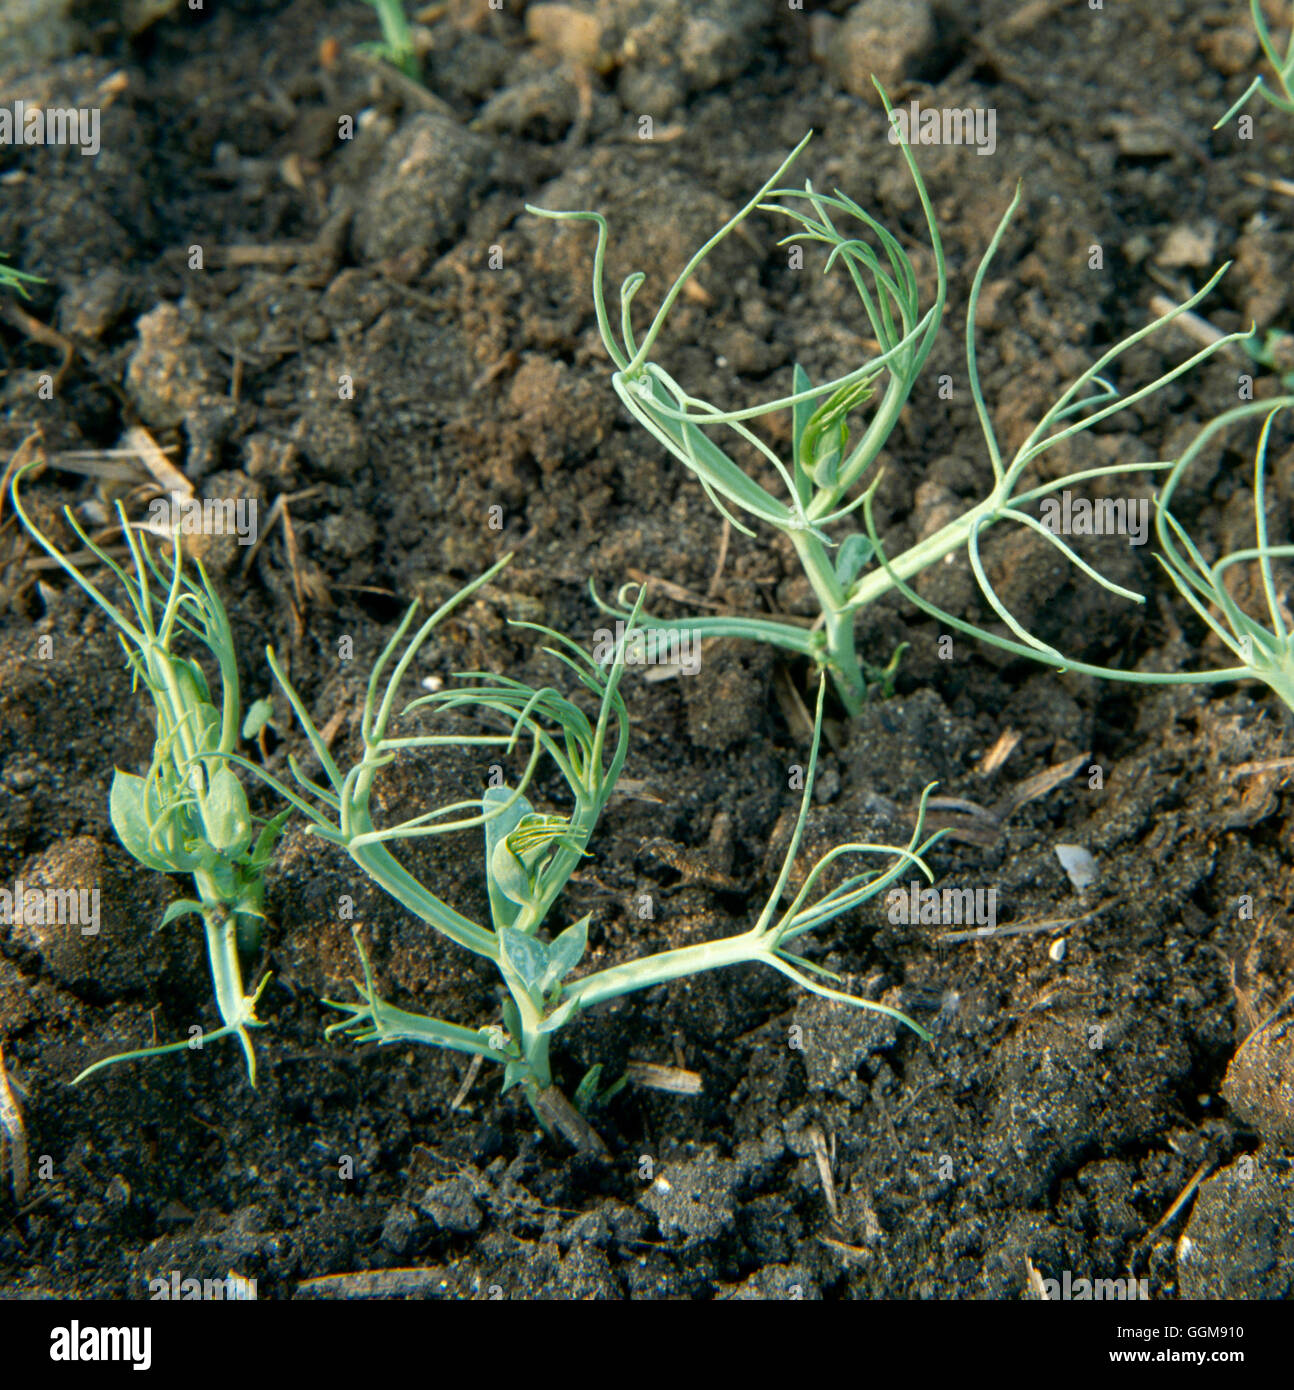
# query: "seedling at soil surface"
825, 478
530, 856
189, 813
11, 279
396, 46
1284, 65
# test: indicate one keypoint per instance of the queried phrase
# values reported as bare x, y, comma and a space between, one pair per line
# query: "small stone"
1231, 50
1259, 1084
1141, 137
166, 375
693, 1198
885, 38
1239, 1242
91, 305
91, 936
570, 32
399, 1229
1187, 245
452, 1207
421, 192
1078, 864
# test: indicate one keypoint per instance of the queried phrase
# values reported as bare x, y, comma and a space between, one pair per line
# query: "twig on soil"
852, 1254
473, 1071
672, 591
144, 447
1183, 1198
377, 1283
795, 713
41, 333
823, 1159
1034, 787
1248, 769
713, 590
271, 519
1051, 924
1006, 744
406, 88
676, 1081
1282, 186
20, 459
564, 1119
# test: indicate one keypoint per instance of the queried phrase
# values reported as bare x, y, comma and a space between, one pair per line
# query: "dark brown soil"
1066, 1103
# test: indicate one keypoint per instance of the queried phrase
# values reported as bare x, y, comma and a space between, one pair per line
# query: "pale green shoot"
530, 855
1283, 63
188, 814
826, 477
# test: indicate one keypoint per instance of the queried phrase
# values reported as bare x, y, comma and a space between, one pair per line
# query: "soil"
1071, 1096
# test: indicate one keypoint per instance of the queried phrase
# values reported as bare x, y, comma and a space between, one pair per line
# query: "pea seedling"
824, 475
396, 45
188, 814
530, 856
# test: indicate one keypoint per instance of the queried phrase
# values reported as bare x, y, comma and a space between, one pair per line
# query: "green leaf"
855, 551
588, 1097
709, 462
225, 816
222, 873
181, 907
513, 1072
826, 435
192, 681
508, 877
800, 414
527, 958
128, 807
586, 1093
565, 953
263, 850
503, 905
259, 715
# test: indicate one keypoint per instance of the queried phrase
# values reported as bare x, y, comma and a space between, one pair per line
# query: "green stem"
668, 965
387, 872
921, 556
838, 632
237, 1008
